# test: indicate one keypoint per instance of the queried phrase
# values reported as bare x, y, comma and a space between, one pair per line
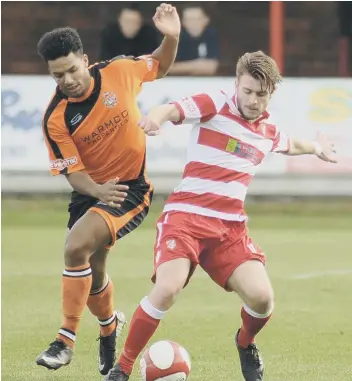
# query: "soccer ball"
165, 361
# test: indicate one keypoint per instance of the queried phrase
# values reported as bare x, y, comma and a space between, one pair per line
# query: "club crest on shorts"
171, 244
109, 99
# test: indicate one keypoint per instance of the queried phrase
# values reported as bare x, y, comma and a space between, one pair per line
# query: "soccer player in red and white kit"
203, 221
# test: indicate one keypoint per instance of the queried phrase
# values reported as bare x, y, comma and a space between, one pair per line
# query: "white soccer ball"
165, 361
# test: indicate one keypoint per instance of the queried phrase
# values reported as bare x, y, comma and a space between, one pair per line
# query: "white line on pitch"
320, 274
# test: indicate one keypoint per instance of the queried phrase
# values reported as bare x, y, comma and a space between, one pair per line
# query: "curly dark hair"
59, 42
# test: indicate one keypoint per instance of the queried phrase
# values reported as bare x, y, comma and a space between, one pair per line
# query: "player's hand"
112, 193
167, 20
149, 126
326, 150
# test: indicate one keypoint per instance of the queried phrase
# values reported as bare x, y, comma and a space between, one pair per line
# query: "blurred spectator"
345, 21
128, 35
198, 52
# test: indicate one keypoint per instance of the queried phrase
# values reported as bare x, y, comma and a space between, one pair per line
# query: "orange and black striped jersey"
99, 132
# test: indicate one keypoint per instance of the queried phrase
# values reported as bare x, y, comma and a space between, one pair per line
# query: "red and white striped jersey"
222, 157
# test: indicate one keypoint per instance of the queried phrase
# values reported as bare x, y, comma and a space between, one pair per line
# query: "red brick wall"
311, 32
311, 36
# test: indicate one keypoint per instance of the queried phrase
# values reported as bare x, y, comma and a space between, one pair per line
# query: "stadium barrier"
300, 107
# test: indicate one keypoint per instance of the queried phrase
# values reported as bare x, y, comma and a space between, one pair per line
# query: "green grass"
308, 339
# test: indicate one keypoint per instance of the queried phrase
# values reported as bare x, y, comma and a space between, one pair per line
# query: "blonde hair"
261, 67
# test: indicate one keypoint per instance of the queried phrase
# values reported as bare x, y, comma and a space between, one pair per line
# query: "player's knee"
77, 253
165, 294
263, 301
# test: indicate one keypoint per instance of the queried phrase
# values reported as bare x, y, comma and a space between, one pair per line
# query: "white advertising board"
300, 107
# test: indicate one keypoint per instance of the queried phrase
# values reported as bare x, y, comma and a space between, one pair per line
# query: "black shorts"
121, 221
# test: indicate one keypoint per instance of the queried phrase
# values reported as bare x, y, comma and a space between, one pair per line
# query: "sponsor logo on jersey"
61, 164
190, 106
76, 119
243, 150
107, 128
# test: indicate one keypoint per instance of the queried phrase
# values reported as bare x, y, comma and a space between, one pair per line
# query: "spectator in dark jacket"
128, 35
198, 52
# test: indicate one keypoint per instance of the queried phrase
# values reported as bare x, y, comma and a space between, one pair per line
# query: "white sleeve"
199, 108
281, 142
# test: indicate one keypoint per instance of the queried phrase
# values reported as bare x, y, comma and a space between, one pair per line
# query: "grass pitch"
309, 260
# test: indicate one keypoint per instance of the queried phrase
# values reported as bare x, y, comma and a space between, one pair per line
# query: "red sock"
252, 323
144, 323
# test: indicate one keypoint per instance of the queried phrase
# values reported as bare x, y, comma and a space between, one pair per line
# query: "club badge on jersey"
109, 99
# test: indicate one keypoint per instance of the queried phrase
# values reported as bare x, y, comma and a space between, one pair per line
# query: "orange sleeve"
147, 68
63, 154
142, 69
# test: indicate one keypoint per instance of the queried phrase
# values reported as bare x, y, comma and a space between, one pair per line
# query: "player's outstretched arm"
110, 193
167, 21
323, 148
158, 115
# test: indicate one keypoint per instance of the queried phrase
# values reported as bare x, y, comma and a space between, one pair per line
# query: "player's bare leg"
170, 279
101, 305
88, 235
98, 264
250, 281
